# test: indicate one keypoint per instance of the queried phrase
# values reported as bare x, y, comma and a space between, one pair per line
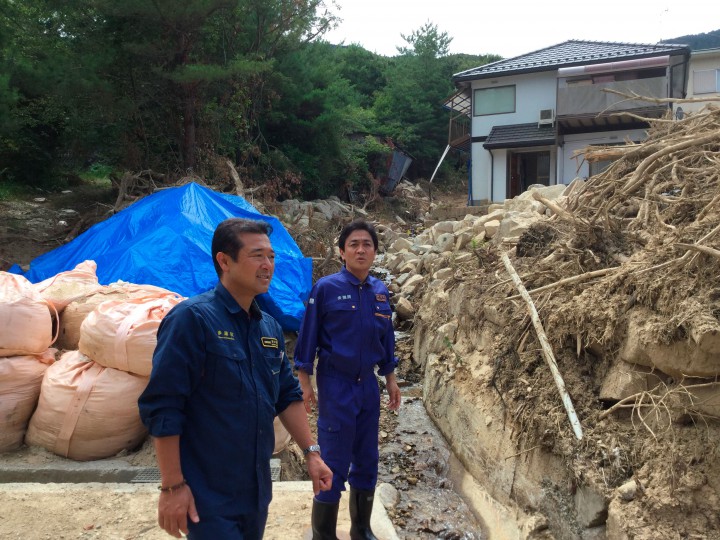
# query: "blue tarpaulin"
164, 240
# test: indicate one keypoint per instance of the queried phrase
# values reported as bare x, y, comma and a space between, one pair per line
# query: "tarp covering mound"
164, 240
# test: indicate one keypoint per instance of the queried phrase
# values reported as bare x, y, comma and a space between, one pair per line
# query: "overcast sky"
514, 27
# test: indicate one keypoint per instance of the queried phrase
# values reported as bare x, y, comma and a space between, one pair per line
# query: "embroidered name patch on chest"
269, 342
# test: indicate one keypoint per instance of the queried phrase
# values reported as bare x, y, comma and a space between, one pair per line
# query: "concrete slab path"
110, 511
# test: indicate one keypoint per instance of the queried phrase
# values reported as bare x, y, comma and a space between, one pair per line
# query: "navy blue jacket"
219, 378
349, 325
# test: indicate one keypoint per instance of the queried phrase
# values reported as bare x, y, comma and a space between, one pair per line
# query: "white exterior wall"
570, 167
533, 92
701, 61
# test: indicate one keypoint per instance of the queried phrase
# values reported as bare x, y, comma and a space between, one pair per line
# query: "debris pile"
623, 271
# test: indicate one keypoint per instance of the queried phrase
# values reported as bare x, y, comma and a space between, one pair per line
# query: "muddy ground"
414, 455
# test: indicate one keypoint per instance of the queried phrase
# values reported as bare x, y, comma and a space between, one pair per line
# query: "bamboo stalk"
545, 344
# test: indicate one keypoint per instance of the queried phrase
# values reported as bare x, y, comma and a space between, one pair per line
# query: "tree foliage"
179, 86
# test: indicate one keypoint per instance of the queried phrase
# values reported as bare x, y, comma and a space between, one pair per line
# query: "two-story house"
703, 80
525, 119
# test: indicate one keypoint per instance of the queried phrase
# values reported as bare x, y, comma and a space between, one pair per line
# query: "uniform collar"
231, 304
352, 278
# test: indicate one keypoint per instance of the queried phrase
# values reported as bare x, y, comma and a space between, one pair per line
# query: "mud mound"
625, 278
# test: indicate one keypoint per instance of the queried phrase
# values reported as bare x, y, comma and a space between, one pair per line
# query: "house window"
498, 100
706, 81
596, 167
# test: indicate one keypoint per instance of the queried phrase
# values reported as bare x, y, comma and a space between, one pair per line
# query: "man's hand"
308, 391
393, 392
320, 474
174, 508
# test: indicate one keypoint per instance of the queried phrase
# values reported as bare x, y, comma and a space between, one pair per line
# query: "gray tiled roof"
570, 53
520, 135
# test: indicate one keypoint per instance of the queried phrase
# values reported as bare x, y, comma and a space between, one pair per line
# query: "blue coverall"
219, 378
348, 324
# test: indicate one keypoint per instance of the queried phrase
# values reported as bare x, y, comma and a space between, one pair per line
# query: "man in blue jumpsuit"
348, 324
219, 377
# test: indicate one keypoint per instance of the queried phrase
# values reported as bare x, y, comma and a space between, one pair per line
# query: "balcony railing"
593, 99
459, 133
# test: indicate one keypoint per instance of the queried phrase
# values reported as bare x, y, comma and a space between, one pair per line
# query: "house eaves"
519, 136
568, 54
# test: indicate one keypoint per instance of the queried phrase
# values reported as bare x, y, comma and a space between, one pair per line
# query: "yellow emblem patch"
224, 334
269, 342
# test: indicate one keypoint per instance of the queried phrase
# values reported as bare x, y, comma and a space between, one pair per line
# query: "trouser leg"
241, 527
338, 406
365, 453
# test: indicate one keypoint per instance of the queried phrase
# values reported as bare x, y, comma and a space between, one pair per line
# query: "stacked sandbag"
76, 311
122, 334
20, 380
63, 288
25, 318
87, 411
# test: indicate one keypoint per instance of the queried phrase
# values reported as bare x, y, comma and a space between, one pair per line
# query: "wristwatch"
311, 448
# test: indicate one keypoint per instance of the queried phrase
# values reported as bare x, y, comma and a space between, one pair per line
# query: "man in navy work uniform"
219, 377
348, 324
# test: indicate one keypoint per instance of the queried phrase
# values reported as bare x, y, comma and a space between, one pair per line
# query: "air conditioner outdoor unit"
547, 116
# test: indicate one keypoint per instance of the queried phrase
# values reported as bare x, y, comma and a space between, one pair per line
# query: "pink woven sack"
282, 437
122, 334
20, 380
25, 318
74, 314
87, 411
65, 287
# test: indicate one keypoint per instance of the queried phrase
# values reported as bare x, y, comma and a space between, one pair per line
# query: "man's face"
359, 253
251, 273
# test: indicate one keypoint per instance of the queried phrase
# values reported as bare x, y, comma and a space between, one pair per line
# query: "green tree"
410, 106
312, 122
146, 84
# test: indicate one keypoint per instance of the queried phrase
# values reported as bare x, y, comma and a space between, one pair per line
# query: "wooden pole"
545, 344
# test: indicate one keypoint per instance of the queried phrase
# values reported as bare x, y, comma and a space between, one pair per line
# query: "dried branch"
545, 345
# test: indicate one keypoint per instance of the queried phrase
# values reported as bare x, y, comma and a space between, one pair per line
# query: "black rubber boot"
324, 520
361, 503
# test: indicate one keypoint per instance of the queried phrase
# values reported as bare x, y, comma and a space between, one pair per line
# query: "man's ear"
221, 258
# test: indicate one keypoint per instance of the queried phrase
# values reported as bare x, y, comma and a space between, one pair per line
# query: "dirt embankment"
623, 272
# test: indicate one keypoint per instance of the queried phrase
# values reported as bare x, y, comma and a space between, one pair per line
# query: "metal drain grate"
275, 469
152, 474
149, 475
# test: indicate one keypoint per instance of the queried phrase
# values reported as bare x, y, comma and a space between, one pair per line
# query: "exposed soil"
34, 225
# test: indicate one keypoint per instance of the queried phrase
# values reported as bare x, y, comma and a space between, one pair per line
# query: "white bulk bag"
87, 411
25, 318
74, 314
65, 287
122, 334
20, 380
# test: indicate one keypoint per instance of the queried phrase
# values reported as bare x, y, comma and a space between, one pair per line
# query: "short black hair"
226, 238
357, 225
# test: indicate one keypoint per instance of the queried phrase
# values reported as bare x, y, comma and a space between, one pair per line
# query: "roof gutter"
624, 65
